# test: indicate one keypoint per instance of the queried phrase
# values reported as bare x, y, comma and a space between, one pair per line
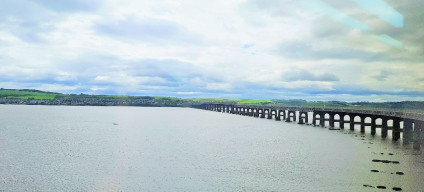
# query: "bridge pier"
270, 113
351, 122
331, 120
396, 129
322, 119
362, 124
277, 115
283, 112
341, 121
342, 126
408, 129
373, 126
418, 134
266, 113
384, 127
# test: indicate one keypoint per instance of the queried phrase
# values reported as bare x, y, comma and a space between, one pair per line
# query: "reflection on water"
60, 148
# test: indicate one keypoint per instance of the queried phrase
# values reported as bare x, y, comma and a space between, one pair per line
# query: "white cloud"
187, 93
219, 86
57, 88
216, 48
98, 88
102, 78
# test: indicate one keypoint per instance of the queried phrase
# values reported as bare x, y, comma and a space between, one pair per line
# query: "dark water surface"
62, 148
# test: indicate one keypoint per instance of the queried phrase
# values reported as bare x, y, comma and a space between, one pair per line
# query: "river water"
63, 148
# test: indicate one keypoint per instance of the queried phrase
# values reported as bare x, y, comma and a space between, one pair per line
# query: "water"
62, 148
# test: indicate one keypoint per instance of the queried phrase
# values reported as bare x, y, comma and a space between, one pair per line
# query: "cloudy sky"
351, 50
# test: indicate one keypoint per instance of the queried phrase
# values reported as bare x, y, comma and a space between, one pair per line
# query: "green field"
19, 94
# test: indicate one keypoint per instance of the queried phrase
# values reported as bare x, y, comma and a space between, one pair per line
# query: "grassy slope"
20, 94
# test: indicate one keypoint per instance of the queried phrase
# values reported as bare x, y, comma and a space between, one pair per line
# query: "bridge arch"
367, 122
390, 122
273, 113
367, 119
378, 121
291, 116
348, 119
261, 111
316, 118
357, 120
337, 120
303, 117
337, 116
255, 112
326, 119
266, 113
327, 115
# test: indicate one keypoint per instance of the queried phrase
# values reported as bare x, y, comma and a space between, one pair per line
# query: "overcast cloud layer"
279, 49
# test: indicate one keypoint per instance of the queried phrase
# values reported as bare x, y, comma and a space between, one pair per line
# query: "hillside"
37, 97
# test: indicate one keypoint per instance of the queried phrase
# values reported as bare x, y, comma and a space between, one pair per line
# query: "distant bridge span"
411, 124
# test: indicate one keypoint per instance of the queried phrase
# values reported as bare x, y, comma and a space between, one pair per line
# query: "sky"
348, 50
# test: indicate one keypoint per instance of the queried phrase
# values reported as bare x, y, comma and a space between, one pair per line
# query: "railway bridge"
406, 125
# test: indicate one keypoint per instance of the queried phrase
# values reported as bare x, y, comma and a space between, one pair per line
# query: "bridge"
406, 124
